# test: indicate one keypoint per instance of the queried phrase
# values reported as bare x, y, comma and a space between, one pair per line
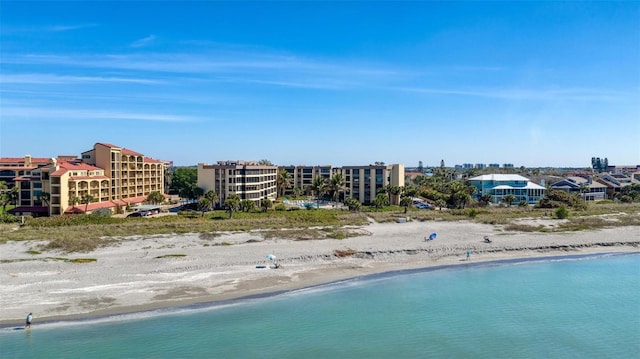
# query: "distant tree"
204, 204
86, 199
7, 195
232, 204
353, 204
44, 197
380, 201
74, 200
283, 182
335, 185
509, 199
265, 163
406, 202
485, 200
265, 204
197, 192
318, 186
247, 205
183, 180
212, 196
155, 197
393, 192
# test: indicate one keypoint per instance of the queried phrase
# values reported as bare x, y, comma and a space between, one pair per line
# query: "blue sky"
341, 83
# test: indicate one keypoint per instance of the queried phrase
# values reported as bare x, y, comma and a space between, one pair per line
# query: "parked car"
138, 214
423, 205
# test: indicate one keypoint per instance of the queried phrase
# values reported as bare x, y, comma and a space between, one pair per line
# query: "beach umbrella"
271, 257
432, 236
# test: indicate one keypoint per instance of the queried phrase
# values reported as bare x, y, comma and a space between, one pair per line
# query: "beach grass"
85, 233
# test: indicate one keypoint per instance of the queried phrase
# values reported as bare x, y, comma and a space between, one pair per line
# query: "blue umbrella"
432, 236
271, 256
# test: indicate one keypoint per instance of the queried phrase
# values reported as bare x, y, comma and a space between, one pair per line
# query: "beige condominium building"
302, 176
364, 182
249, 180
107, 176
361, 182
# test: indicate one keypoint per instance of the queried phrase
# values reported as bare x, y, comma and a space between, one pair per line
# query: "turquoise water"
586, 307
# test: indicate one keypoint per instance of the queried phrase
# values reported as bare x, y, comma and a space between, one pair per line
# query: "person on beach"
468, 255
28, 321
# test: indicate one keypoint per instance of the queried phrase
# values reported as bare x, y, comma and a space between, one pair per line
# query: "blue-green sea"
569, 307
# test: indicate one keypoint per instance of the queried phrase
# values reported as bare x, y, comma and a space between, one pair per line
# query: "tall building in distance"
247, 179
364, 182
106, 176
361, 182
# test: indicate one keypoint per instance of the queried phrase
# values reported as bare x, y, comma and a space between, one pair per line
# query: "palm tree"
353, 204
204, 204
283, 181
336, 185
318, 186
74, 200
247, 205
86, 199
393, 192
509, 199
232, 204
212, 196
45, 197
406, 202
265, 204
380, 200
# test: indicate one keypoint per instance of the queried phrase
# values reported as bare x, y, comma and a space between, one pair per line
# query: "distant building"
494, 165
302, 176
247, 179
364, 182
114, 177
500, 185
508, 165
480, 166
588, 189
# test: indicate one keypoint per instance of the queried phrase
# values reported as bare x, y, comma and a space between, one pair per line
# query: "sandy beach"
136, 274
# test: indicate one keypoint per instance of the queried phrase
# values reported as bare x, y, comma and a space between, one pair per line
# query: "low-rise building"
248, 180
498, 186
588, 189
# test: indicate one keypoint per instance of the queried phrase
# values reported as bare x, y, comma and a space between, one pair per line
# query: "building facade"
586, 188
499, 186
249, 180
365, 182
106, 176
302, 176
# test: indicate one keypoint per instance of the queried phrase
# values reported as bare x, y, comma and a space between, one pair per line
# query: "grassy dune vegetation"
84, 233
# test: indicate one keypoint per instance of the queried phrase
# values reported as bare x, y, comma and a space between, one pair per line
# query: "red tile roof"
11, 168
151, 160
21, 160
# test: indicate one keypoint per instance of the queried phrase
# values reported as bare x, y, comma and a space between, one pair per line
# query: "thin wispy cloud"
60, 79
145, 41
572, 94
57, 28
9, 113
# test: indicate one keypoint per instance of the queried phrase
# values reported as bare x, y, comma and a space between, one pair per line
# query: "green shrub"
8, 218
280, 207
102, 212
562, 213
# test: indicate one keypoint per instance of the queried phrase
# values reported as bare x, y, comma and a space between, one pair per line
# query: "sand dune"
163, 271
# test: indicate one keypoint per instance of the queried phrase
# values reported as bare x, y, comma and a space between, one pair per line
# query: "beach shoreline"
140, 274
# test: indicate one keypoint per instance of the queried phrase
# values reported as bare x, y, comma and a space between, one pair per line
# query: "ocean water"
574, 307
